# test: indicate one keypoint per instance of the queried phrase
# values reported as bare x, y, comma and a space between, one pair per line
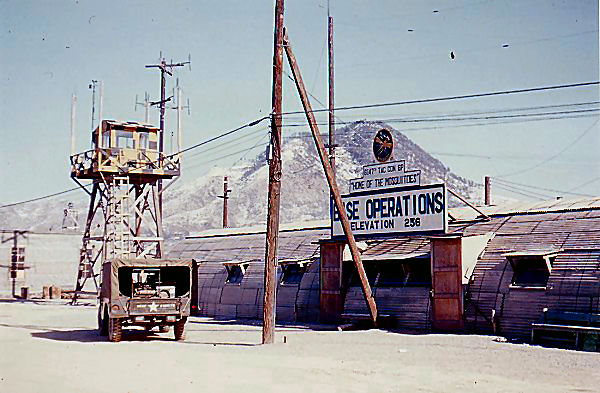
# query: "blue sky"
52, 49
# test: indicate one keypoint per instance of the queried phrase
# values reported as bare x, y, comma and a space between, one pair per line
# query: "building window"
530, 269
235, 273
292, 273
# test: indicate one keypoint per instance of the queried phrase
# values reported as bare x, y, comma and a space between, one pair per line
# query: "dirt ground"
53, 347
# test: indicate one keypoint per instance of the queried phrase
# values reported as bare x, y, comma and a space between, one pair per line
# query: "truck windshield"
161, 282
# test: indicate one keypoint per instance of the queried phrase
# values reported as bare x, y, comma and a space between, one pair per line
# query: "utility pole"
93, 87
100, 102
73, 114
268, 331
14, 256
486, 191
310, 117
331, 96
225, 197
165, 69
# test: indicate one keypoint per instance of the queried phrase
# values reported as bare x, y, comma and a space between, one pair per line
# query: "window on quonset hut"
235, 273
292, 273
530, 271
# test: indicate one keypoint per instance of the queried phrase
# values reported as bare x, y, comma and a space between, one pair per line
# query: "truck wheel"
164, 328
114, 329
180, 329
102, 323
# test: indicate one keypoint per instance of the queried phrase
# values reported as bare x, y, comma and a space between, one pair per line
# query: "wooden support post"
268, 331
463, 200
487, 196
331, 180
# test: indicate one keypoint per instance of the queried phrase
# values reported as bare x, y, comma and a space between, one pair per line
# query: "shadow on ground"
92, 336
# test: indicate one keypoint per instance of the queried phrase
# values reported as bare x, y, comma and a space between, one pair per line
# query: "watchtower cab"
125, 148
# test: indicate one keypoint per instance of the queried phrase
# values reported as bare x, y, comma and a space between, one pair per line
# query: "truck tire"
114, 329
102, 322
164, 328
180, 329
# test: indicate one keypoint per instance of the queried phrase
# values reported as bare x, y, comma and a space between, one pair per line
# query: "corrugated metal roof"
261, 228
292, 245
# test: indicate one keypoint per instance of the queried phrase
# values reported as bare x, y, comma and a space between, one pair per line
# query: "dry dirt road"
52, 347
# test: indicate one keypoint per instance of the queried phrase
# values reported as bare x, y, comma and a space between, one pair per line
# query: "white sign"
416, 209
388, 175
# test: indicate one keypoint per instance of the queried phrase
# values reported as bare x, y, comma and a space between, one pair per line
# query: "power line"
510, 183
484, 123
552, 156
451, 98
521, 189
251, 124
449, 119
518, 192
44, 197
586, 183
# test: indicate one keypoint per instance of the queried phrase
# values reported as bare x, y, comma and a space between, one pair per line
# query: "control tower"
124, 218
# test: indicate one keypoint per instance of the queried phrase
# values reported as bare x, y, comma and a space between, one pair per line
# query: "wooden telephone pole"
268, 331
225, 197
368, 295
331, 97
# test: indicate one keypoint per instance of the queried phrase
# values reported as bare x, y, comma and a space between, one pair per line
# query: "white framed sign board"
393, 211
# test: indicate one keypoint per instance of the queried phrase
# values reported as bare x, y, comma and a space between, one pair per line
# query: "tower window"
124, 140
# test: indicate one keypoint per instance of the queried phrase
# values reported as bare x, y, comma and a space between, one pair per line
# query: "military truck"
144, 292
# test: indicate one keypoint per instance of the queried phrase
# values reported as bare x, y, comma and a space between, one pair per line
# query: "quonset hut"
229, 271
495, 274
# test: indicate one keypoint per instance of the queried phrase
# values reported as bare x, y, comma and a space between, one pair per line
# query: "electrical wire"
586, 183
518, 192
452, 98
510, 183
44, 197
552, 156
521, 189
469, 118
486, 123
250, 124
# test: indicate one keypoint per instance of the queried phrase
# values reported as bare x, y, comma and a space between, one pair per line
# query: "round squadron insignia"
383, 145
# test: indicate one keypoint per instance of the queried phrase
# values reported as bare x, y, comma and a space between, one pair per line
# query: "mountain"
304, 190
194, 206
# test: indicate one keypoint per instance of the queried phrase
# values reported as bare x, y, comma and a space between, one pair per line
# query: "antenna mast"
146, 105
